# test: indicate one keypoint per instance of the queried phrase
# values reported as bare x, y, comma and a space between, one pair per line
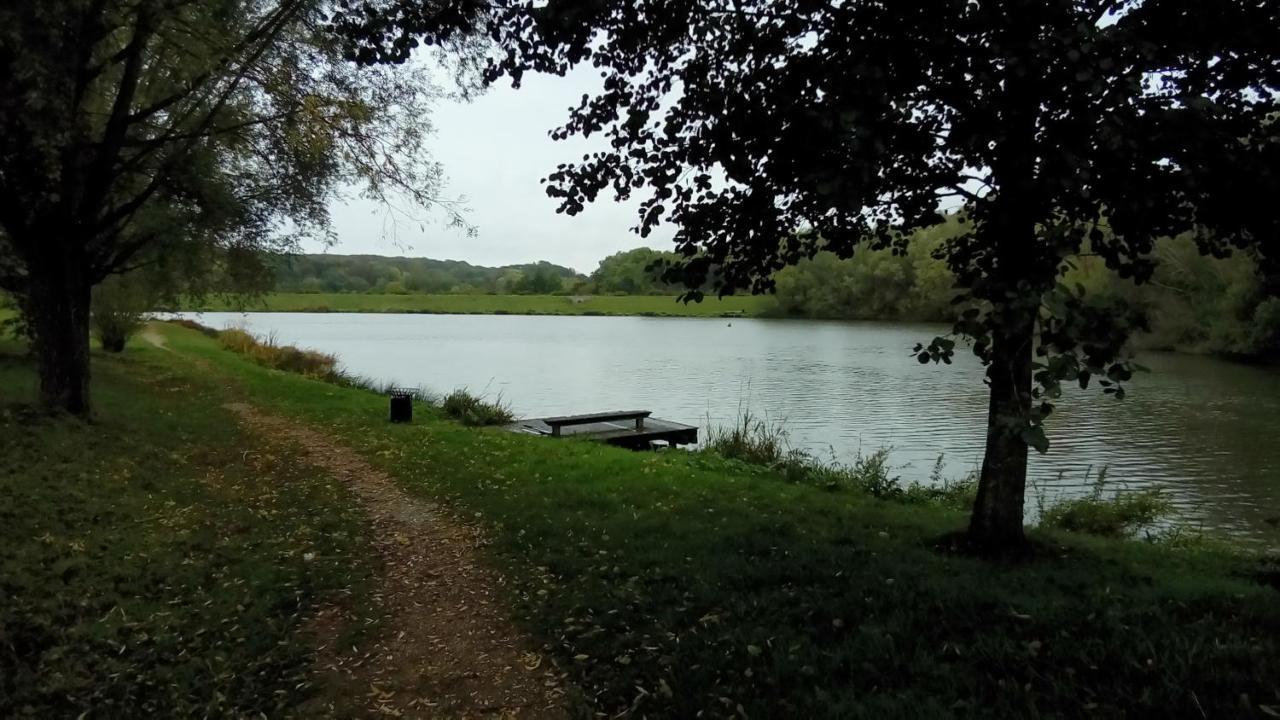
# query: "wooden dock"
632, 429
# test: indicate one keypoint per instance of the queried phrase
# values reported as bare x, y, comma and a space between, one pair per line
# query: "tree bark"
996, 523
58, 310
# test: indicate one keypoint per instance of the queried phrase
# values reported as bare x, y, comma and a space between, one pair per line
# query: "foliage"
119, 309
182, 139
687, 585
1124, 514
11, 321
268, 352
372, 273
157, 563
649, 305
473, 410
634, 272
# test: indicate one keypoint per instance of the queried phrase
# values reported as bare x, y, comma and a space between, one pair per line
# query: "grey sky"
494, 150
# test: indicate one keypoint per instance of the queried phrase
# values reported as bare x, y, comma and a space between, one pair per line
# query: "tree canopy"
768, 131
183, 136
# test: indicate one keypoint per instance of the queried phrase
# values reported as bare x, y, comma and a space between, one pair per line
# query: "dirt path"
151, 335
446, 648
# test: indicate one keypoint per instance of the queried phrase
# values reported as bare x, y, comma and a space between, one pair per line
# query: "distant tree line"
403, 275
626, 273
1193, 302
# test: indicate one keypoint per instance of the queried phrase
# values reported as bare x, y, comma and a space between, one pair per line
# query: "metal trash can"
401, 405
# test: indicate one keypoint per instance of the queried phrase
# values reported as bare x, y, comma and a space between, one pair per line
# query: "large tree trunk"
57, 306
996, 523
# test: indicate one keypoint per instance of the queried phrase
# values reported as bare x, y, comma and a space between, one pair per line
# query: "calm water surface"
1205, 430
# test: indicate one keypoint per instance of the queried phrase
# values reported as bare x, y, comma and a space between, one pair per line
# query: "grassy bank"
154, 561
672, 584
648, 305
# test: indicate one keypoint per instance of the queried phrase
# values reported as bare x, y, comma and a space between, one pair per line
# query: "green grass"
679, 583
499, 304
156, 561
675, 583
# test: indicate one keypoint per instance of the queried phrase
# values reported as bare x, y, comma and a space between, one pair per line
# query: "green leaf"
1033, 436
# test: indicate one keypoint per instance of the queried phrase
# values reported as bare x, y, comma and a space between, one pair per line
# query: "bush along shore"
742, 581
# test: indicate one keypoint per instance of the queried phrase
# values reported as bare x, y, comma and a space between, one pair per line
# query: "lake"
1206, 431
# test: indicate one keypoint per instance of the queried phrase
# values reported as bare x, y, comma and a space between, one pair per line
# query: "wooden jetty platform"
632, 429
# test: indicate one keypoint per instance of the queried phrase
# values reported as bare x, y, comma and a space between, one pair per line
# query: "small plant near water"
1124, 514
474, 410
752, 440
759, 442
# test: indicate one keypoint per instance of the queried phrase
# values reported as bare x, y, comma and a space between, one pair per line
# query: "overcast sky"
494, 150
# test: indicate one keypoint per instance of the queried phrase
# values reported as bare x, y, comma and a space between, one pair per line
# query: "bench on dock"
556, 423
633, 429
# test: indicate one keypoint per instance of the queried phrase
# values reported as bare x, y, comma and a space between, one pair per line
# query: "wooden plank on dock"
631, 429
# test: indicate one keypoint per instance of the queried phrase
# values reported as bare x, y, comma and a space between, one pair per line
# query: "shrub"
758, 442
118, 312
472, 410
1123, 514
269, 353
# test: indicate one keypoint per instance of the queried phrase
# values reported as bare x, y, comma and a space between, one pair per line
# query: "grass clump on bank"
268, 352
1123, 515
473, 410
756, 441
156, 561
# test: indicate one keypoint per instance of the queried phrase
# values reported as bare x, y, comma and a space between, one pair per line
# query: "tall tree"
178, 133
768, 130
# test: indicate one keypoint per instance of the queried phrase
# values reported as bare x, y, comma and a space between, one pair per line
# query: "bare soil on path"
445, 647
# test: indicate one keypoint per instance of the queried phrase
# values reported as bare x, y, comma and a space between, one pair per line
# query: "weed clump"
759, 442
268, 352
1124, 514
473, 410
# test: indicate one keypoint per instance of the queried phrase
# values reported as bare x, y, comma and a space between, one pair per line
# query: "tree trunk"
996, 523
58, 309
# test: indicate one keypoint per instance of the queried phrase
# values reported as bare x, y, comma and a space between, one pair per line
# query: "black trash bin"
401, 405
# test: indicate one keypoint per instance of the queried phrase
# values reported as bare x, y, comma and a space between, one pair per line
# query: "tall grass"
750, 439
268, 352
1123, 514
474, 410
759, 441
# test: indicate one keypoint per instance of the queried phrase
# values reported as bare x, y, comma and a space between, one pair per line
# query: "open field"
665, 584
659, 305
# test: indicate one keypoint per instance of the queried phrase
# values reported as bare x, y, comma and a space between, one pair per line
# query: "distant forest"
1194, 303
622, 273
